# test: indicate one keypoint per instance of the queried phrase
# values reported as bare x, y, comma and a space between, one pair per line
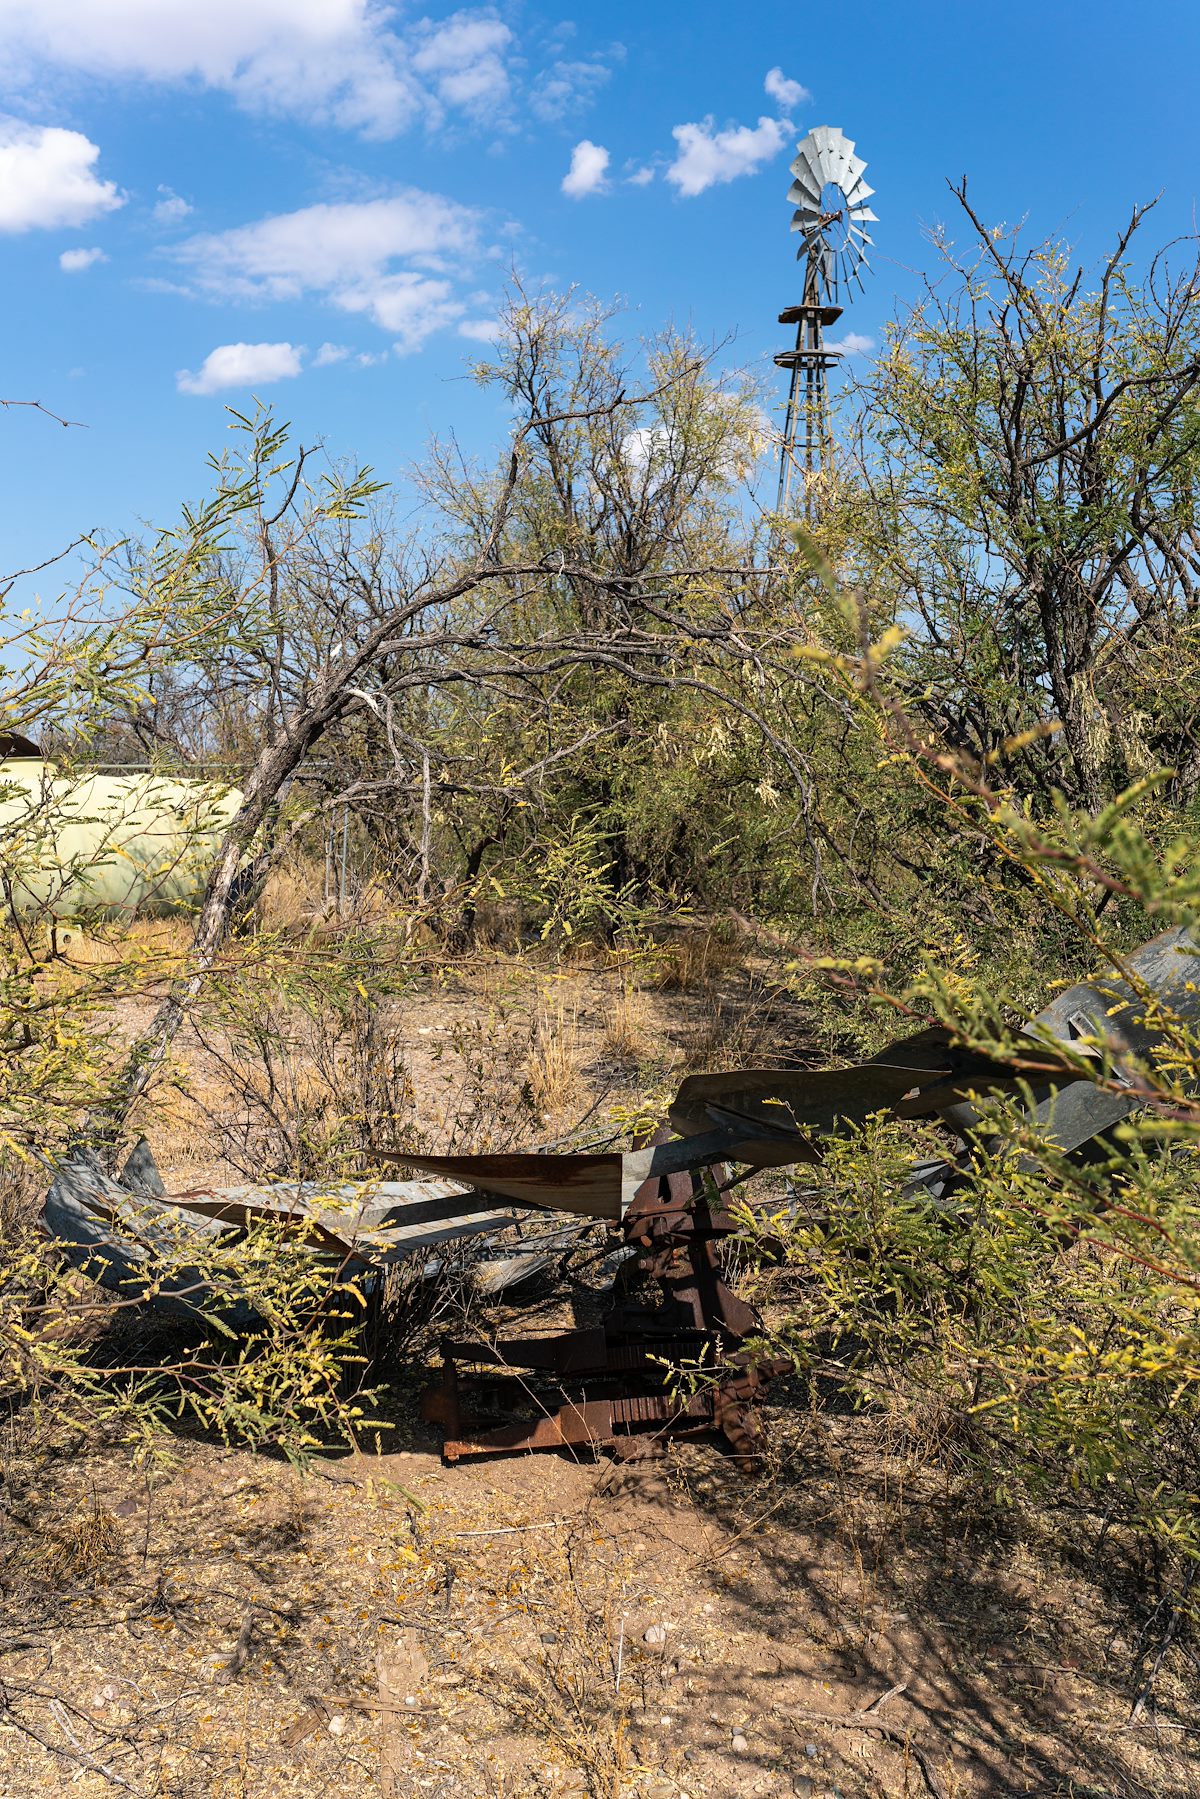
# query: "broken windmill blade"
928, 1075
604, 1186
132, 1236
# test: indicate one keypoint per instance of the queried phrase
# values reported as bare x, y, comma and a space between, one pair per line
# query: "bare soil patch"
542, 1627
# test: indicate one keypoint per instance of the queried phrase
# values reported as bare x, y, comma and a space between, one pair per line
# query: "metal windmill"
832, 215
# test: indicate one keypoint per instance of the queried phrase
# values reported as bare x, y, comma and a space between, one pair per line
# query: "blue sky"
318, 200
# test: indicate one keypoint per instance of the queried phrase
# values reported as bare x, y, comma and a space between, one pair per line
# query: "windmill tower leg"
787, 460
808, 393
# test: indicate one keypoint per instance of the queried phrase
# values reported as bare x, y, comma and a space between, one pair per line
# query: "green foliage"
1023, 502
69, 1357
1042, 1323
147, 616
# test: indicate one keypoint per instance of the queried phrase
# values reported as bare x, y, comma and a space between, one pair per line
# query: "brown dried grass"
694, 959
79, 1551
555, 1059
627, 1025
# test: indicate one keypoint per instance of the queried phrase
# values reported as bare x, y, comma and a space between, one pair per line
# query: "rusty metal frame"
621, 1386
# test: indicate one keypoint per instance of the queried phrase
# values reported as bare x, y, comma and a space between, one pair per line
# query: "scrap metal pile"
612, 1385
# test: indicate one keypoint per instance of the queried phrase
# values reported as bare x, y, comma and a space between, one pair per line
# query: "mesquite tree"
1024, 502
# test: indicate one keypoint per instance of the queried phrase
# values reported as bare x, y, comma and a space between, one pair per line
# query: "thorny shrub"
1039, 1324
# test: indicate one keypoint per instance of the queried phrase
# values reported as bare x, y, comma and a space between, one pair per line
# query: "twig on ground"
863, 1720
508, 1530
868, 1711
241, 1650
75, 1754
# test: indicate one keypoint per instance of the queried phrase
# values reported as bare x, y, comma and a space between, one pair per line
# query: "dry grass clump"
627, 1024
82, 1549
694, 959
543, 1637
291, 897
727, 1035
555, 1060
22, 1185
155, 947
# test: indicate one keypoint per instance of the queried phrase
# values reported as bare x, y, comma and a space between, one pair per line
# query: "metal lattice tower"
832, 214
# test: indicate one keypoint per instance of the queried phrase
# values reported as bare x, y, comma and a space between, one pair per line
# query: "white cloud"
74, 262
241, 365
787, 93
586, 173
48, 179
706, 157
329, 354
641, 177
480, 331
413, 306
171, 209
340, 247
347, 253
566, 87
853, 344
463, 60
340, 60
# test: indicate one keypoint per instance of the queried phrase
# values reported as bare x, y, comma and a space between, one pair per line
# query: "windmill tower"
832, 215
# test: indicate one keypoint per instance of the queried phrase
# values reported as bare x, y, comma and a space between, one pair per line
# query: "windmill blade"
804, 171
847, 169
809, 153
814, 174
815, 171
823, 137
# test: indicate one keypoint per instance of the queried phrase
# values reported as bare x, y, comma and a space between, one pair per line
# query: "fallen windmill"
665, 1207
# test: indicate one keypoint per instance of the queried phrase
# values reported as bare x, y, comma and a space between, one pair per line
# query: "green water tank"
114, 844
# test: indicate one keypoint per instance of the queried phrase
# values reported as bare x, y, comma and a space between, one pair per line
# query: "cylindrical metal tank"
113, 844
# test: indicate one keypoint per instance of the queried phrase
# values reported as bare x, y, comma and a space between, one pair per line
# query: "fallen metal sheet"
120, 1230
816, 1102
587, 1184
604, 1185
496, 1271
371, 1222
1120, 1013
926, 1075
118, 1237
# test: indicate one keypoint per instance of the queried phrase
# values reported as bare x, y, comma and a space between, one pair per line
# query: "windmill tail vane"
832, 216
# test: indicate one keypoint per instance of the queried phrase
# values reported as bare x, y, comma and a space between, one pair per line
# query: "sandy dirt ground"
543, 1627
